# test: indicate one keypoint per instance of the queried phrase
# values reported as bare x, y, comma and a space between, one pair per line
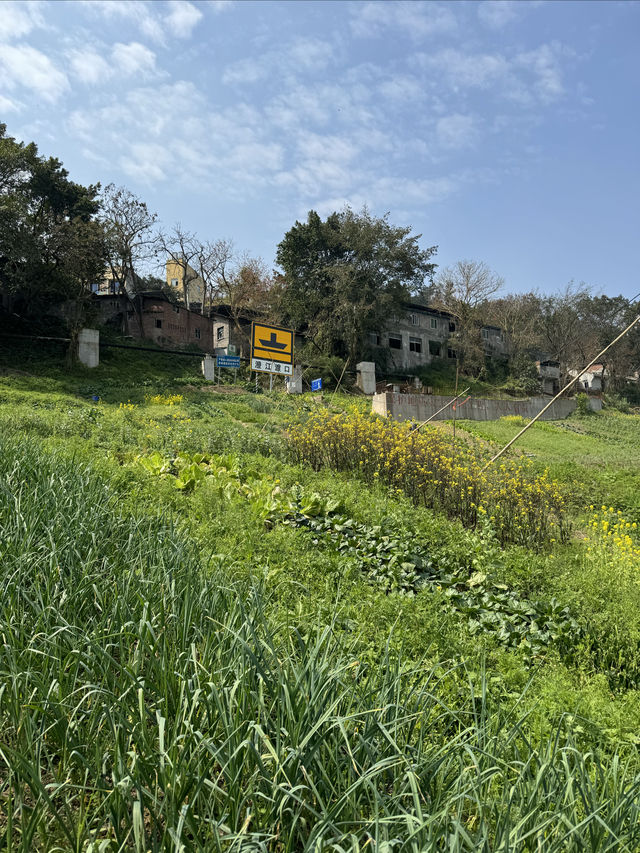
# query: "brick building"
154, 317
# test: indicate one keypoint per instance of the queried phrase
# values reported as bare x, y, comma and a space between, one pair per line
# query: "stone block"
366, 376
294, 383
89, 347
208, 368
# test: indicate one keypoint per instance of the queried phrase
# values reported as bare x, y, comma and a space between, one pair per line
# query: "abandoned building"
422, 334
195, 292
153, 316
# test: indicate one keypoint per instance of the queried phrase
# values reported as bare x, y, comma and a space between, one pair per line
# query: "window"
374, 339
452, 326
158, 324
485, 334
415, 344
95, 287
395, 342
197, 334
174, 282
176, 309
451, 353
434, 347
220, 333
415, 320
433, 322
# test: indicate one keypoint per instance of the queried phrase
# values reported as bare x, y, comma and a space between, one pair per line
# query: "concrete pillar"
366, 381
294, 383
209, 368
89, 347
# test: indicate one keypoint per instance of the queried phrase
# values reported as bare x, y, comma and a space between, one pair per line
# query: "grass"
226, 665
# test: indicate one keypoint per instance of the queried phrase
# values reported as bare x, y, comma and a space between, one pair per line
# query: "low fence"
419, 407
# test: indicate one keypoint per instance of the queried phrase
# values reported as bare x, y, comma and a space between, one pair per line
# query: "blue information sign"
316, 384
228, 361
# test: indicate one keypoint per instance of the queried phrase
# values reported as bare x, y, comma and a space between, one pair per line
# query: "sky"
504, 132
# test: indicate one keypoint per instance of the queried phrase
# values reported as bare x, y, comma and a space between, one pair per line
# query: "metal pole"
446, 405
560, 393
271, 382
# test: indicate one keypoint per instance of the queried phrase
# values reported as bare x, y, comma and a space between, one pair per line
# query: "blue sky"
505, 132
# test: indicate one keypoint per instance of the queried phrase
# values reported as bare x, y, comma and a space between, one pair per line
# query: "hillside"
239, 621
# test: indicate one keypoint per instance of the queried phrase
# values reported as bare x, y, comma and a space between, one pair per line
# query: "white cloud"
303, 55
136, 12
25, 66
9, 106
465, 70
147, 162
246, 70
543, 63
89, 66
527, 77
18, 19
497, 13
182, 18
456, 131
402, 87
310, 54
416, 19
133, 58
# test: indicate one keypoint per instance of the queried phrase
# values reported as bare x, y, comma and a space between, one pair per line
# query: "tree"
345, 276
128, 225
464, 291
47, 227
185, 250
246, 289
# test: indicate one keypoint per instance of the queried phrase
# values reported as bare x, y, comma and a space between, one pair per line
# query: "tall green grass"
148, 703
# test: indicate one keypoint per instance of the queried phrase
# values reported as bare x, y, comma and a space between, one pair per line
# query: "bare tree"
464, 290
245, 288
128, 225
214, 260
518, 315
185, 250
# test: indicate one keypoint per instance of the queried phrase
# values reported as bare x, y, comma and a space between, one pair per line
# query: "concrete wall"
419, 407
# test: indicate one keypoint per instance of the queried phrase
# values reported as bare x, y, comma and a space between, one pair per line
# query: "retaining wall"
419, 407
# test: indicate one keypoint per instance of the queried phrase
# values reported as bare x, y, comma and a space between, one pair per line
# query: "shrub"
522, 507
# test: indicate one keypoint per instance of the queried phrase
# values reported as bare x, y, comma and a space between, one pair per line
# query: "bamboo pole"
446, 405
560, 393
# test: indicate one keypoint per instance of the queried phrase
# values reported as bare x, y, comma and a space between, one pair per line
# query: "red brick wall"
178, 327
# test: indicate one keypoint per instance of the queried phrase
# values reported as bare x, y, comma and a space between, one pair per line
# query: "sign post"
271, 350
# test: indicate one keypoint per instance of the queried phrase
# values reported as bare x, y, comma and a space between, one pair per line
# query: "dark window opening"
220, 333
374, 339
452, 327
395, 342
158, 324
451, 353
415, 344
434, 347
197, 333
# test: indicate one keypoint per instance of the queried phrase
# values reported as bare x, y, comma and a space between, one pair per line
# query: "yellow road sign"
271, 343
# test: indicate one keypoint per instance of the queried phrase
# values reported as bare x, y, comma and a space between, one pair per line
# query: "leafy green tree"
50, 245
343, 277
